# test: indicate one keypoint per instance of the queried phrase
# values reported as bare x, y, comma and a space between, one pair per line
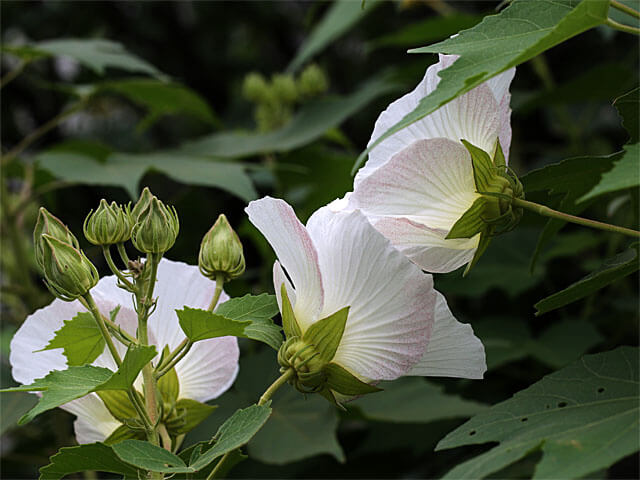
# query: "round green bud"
141, 204
221, 252
312, 81
305, 360
109, 224
254, 87
68, 272
156, 228
48, 224
284, 87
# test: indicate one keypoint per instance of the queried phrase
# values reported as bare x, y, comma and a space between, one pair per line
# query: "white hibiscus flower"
203, 374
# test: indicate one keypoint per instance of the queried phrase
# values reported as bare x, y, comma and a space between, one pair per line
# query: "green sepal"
169, 386
470, 223
343, 382
483, 243
328, 394
118, 404
289, 322
326, 334
483, 167
188, 415
123, 433
498, 159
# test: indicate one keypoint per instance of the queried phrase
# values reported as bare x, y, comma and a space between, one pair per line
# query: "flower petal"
427, 247
453, 349
209, 369
279, 277
94, 423
277, 221
391, 301
430, 182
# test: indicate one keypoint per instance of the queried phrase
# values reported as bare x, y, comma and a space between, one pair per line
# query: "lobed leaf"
80, 338
624, 174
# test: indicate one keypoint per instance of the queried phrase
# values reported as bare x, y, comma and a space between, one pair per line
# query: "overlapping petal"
204, 373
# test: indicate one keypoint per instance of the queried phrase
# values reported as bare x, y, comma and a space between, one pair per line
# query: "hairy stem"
549, 212
112, 266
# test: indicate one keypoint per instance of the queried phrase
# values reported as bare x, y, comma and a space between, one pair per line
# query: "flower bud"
254, 87
284, 88
109, 224
156, 227
221, 252
47, 224
305, 360
141, 204
68, 272
312, 81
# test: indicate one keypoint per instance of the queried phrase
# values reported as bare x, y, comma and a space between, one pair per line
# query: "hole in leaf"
524, 419
601, 389
472, 433
562, 404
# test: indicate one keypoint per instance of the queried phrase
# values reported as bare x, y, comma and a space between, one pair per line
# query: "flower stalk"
624, 8
116, 271
93, 309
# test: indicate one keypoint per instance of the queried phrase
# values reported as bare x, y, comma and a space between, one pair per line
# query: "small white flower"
397, 323
204, 373
418, 182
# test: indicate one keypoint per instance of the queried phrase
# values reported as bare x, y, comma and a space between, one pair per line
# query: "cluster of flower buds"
221, 252
155, 226
68, 272
275, 99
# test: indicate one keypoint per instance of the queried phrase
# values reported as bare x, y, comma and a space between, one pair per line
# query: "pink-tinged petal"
430, 182
391, 301
94, 423
178, 285
427, 247
453, 349
295, 250
209, 369
504, 135
500, 84
279, 278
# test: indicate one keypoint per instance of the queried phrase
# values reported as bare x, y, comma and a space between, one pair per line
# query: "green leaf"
325, 334
126, 170
161, 98
169, 386
201, 324
612, 269
149, 457
97, 54
628, 106
123, 432
118, 404
414, 400
583, 418
250, 307
93, 456
190, 413
339, 18
624, 174
289, 322
569, 179
80, 338
14, 407
137, 356
470, 223
309, 124
235, 432
343, 382
520, 32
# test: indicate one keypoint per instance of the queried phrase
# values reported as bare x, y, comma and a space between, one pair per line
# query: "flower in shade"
418, 182
396, 325
203, 374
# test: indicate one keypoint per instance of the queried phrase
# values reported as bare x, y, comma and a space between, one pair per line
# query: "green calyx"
68, 272
156, 226
108, 225
310, 354
493, 212
48, 224
221, 252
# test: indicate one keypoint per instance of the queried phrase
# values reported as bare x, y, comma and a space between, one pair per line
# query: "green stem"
624, 8
115, 329
13, 73
138, 405
164, 435
622, 27
93, 308
123, 254
40, 131
548, 212
107, 256
217, 292
266, 396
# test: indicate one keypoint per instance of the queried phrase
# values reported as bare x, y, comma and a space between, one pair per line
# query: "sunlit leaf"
80, 338
583, 418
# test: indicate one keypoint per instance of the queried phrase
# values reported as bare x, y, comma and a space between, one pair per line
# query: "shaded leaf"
80, 338
612, 269
93, 456
339, 18
583, 418
149, 457
520, 32
414, 400
628, 106
624, 174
